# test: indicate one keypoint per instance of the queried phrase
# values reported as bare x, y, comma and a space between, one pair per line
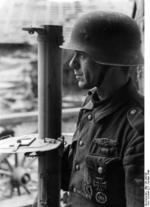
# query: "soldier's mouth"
79, 77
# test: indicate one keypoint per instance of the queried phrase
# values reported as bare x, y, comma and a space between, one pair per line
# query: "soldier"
104, 165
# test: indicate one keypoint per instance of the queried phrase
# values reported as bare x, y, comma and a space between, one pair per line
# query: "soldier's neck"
111, 85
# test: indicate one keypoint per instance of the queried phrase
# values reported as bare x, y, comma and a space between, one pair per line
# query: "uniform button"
74, 190
86, 196
133, 111
77, 167
81, 143
90, 117
100, 170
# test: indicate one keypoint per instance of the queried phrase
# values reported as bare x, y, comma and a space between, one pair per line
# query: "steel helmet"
108, 37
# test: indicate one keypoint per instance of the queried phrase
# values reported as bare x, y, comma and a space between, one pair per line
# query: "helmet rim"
108, 37
124, 60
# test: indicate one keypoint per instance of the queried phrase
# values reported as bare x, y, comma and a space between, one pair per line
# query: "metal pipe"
49, 118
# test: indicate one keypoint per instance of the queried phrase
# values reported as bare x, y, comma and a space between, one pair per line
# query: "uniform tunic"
104, 165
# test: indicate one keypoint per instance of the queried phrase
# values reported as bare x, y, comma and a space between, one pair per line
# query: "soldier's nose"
74, 62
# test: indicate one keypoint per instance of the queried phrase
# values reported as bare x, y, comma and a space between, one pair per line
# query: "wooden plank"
17, 118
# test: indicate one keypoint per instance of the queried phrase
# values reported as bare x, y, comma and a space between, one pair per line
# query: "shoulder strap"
135, 117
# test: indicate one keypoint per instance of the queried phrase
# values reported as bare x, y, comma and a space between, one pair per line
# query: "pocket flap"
94, 162
103, 147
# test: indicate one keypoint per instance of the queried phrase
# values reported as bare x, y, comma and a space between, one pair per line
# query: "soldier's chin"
82, 85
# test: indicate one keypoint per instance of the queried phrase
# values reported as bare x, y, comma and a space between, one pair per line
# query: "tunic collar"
107, 107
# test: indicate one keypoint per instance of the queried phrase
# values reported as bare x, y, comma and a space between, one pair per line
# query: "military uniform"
104, 165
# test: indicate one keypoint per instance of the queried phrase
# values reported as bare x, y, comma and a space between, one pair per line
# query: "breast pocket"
105, 172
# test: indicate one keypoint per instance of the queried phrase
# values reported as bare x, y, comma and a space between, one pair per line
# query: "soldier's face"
86, 71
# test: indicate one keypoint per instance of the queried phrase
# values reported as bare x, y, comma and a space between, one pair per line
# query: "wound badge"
101, 197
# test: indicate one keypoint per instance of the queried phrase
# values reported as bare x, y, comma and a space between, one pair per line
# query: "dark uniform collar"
106, 107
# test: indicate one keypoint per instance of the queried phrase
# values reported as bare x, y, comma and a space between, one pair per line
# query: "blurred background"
18, 67
18, 49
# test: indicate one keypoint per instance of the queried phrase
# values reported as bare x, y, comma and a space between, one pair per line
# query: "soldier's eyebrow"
81, 53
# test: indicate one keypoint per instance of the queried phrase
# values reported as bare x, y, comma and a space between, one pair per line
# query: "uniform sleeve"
66, 167
134, 164
65, 171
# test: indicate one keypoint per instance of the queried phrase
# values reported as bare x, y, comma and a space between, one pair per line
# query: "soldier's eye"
81, 54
